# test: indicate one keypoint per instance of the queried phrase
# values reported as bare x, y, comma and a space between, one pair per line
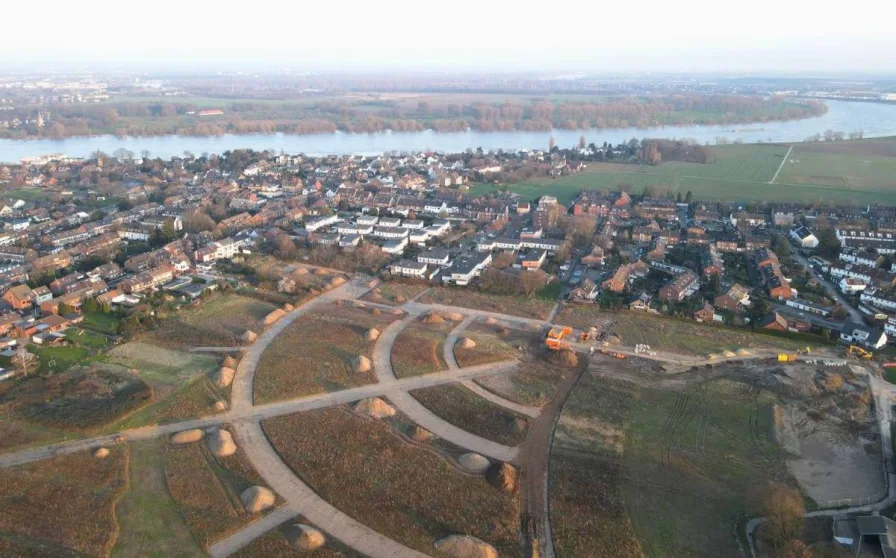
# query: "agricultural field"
63, 506
314, 354
466, 410
395, 293
180, 385
535, 308
418, 349
706, 444
150, 522
741, 173
276, 543
207, 489
866, 165
669, 334
217, 322
408, 493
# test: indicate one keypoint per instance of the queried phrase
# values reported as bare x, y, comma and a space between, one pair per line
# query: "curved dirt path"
451, 360
382, 364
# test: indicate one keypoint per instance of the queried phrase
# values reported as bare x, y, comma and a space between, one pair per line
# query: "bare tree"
23, 361
551, 143
784, 510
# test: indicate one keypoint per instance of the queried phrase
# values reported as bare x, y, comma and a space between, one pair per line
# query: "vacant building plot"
319, 352
418, 349
66, 503
179, 381
704, 442
276, 542
207, 490
408, 493
150, 521
534, 382
466, 410
395, 293
217, 322
494, 343
535, 308
78, 401
670, 334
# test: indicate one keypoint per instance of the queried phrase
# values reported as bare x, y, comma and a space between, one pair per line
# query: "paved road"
218, 349
832, 289
236, 541
448, 355
781, 166
382, 364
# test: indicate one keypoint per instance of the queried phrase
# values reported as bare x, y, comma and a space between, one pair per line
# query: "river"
875, 119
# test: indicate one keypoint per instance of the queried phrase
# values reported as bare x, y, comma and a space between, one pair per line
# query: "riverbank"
873, 119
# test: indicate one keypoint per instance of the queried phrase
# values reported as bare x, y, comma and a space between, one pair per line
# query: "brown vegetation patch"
276, 543
219, 321
65, 501
418, 349
533, 382
396, 488
466, 298
466, 410
314, 354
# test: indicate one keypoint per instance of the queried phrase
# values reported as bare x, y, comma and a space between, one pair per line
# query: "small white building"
408, 268
804, 237
434, 256
395, 246
851, 285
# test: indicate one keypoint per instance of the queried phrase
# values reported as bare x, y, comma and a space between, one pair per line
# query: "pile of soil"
420, 434
374, 407
465, 546
361, 364
400, 299
503, 476
229, 362
224, 377
474, 463
220, 406
273, 316
301, 271
466, 343
372, 334
433, 318
221, 444
491, 321
256, 499
454, 316
187, 436
568, 359
101, 453
288, 307
304, 537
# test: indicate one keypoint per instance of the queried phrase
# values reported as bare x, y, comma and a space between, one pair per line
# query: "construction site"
365, 422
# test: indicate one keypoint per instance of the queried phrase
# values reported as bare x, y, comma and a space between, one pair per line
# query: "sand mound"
220, 406
466, 343
301, 271
503, 331
361, 364
397, 312
465, 546
400, 299
335, 282
613, 340
372, 334
376, 296
374, 407
376, 311
321, 271
187, 436
313, 291
454, 316
474, 463
519, 425
743, 352
229, 362
224, 377
304, 537
491, 321
433, 318
101, 453
420, 434
503, 476
273, 316
288, 307
221, 444
729, 354
564, 358
257, 499
248, 336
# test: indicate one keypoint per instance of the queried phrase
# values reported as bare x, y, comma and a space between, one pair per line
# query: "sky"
759, 36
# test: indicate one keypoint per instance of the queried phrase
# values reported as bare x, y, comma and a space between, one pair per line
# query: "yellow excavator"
859, 352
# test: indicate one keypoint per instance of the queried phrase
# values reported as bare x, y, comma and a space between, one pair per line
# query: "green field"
838, 174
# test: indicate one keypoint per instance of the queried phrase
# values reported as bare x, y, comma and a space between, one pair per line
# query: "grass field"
395, 293
670, 334
742, 173
207, 490
405, 492
494, 343
66, 502
675, 469
314, 353
466, 298
217, 322
466, 410
150, 521
418, 349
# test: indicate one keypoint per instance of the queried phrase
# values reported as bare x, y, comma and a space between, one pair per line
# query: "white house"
365, 220
411, 224
465, 269
878, 298
390, 232
434, 256
852, 285
804, 237
860, 257
419, 237
317, 223
395, 246
408, 268
863, 335
390, 222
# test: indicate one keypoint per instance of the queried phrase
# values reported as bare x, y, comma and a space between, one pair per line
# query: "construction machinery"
859, 352
555, 339
784, 357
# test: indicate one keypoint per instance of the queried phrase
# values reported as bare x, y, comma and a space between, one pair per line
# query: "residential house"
866, 336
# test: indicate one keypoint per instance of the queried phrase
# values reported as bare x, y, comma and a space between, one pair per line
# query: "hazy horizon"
765, 37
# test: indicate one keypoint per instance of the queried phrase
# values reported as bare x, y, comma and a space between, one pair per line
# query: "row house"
879, 298
657, 209
735, 299
679, 287
148, 280
16, 254
618, 281
51, 263
464, 269
861, 257
711, 261
408, 268
884, 247
69, 237
877, 277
